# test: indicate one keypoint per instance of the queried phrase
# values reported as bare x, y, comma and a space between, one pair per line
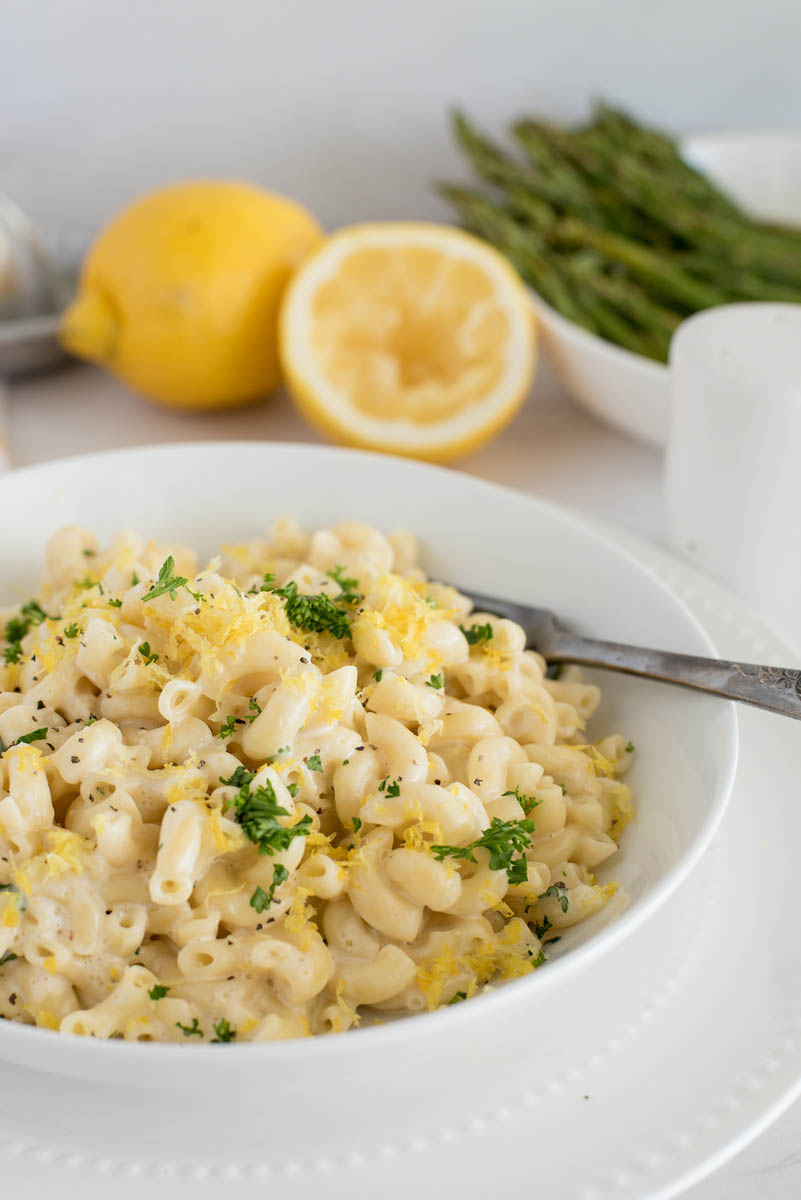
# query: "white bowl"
480, 536
762, 171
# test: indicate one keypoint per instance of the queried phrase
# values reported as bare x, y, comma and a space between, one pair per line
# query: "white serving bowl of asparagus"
622, 233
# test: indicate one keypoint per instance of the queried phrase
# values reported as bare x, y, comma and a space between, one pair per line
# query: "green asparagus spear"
614, 229
522, 247
643, 263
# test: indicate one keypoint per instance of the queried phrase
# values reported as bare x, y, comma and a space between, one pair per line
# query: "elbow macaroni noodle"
224, 813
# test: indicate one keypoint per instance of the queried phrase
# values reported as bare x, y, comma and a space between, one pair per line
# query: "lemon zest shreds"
623, 810
507, 956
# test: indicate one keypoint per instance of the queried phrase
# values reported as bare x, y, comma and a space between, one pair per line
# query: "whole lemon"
179, 295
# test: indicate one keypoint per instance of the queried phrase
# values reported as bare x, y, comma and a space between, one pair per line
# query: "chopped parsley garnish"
540, 959
503, 839
258, 812
8, 957
377, 675
436, 681
134, 578
314, 763
33, 612
357, 824
315, 613
91, 720
431, 602
457, 997
149, 658
158, 992
169, 582
292, 788
87, 582
557, 891
36, 735
255, 709
72, 631
192, 1030
541, 930
477, 634
30, 614
241, 777
228, 727
224, 1032
87, 553
115, 603
525, 802
348, 594
261, 900
265, 586
389, 789
629, 747
280, 875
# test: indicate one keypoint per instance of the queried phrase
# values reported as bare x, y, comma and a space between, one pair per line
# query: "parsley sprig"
316, 613
30, 614
258, 810
228, 727
503, 839
477, 634
525, 802
25, 739
192, 1030
225, 1033
261, 900
147, 654
557, 891
348, 593
169, 583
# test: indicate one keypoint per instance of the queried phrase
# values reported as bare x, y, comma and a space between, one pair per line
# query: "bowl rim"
428, 1024
594, 342
688, 144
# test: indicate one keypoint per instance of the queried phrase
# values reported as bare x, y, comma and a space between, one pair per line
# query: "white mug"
733, 467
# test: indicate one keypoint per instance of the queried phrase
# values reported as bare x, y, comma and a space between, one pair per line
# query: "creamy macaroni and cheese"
269, 797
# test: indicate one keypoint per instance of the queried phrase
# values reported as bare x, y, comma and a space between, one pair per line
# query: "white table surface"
552, 449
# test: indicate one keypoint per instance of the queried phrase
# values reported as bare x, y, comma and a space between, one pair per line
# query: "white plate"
689, 1044
762, 171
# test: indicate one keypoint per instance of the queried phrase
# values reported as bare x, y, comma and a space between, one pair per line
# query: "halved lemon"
416, 339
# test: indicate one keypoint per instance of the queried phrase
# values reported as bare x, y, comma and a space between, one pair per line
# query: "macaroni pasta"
259, 799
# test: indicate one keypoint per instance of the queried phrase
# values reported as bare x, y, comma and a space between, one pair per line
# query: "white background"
343, 103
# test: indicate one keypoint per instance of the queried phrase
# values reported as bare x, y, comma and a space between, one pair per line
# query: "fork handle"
777, 689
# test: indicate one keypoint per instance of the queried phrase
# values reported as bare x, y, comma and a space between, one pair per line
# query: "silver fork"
777, 689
